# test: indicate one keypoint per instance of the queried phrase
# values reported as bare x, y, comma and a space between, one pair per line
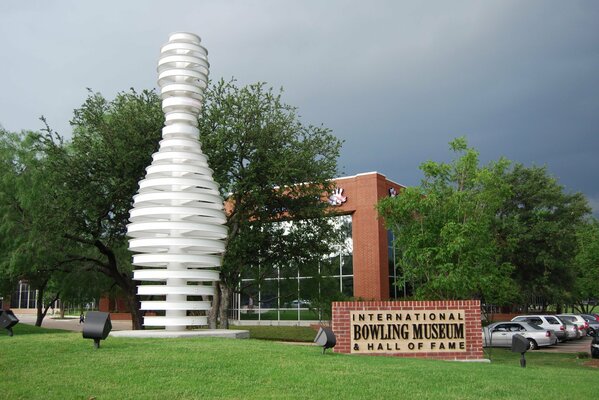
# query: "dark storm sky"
396, 80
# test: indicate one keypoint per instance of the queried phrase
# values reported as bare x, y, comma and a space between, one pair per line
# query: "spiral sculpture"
177, 221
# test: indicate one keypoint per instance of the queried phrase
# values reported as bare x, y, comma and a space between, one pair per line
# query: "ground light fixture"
520, 345
97, 326
8, 320
325, 338
595, 345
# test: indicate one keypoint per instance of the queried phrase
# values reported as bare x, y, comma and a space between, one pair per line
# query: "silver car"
593, 324
545, 322
577, 320
572, 331
499, 334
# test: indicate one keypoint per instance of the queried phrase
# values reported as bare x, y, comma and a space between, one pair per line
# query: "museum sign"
407, 331
448, 329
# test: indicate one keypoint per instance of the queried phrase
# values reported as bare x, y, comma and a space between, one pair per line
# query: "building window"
23, 296
297, 295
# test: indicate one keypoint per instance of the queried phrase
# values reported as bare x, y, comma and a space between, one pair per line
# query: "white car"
299, 304
500, 334
545, 322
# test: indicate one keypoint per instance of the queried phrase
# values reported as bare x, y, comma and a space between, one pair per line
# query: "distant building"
22, 298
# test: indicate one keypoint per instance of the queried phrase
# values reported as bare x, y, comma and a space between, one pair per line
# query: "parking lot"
573, 346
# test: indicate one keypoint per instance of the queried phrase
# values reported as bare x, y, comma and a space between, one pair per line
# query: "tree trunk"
125, 282
224, 305
40, 305
215, 309
134, 306
41, 314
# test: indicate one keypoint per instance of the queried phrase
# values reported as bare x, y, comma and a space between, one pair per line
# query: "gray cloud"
396, 80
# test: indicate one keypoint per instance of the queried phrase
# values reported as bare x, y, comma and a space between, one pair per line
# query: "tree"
95, 176
32, 250
444, 229
270, 168
585, 293
537, 227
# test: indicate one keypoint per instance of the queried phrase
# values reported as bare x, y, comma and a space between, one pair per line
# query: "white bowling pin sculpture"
177, 221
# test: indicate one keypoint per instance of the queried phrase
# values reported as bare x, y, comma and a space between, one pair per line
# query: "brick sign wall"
448, 330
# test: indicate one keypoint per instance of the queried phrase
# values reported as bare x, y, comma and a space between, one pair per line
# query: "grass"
40, 363
283, 315
280, 333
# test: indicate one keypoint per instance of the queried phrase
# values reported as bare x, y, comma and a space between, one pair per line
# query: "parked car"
500, 334
545, 322
572, 331
299, 304
578, 320
593, 324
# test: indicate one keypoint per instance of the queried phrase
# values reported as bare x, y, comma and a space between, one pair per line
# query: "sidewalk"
67, 324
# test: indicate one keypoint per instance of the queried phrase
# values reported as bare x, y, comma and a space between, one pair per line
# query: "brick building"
365, 267
371, 250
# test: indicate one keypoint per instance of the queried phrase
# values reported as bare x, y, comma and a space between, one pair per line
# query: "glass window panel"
288, 290
269, 297
330, 266
348, 285
348, 264
24, 295
249, 295
309, 292
32, 298
249, 272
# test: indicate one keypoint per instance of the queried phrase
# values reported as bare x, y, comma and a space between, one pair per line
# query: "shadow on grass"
26, 329
535, 359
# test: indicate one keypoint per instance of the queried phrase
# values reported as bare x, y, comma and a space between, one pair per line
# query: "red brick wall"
370, 256
473, 335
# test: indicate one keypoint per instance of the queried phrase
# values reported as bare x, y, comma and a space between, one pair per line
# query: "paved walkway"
67, 324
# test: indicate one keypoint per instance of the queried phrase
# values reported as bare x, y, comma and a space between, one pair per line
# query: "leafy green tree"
537, 227
585, 292
270, 167
32, 250
444, 229
95, 176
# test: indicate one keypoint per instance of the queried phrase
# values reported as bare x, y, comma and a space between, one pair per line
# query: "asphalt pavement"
69, 323
573, 346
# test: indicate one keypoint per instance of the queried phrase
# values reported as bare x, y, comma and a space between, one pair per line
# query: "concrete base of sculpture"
159, 333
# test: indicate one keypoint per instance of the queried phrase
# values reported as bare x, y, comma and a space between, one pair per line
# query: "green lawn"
281, 333
283, 315
39, 363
